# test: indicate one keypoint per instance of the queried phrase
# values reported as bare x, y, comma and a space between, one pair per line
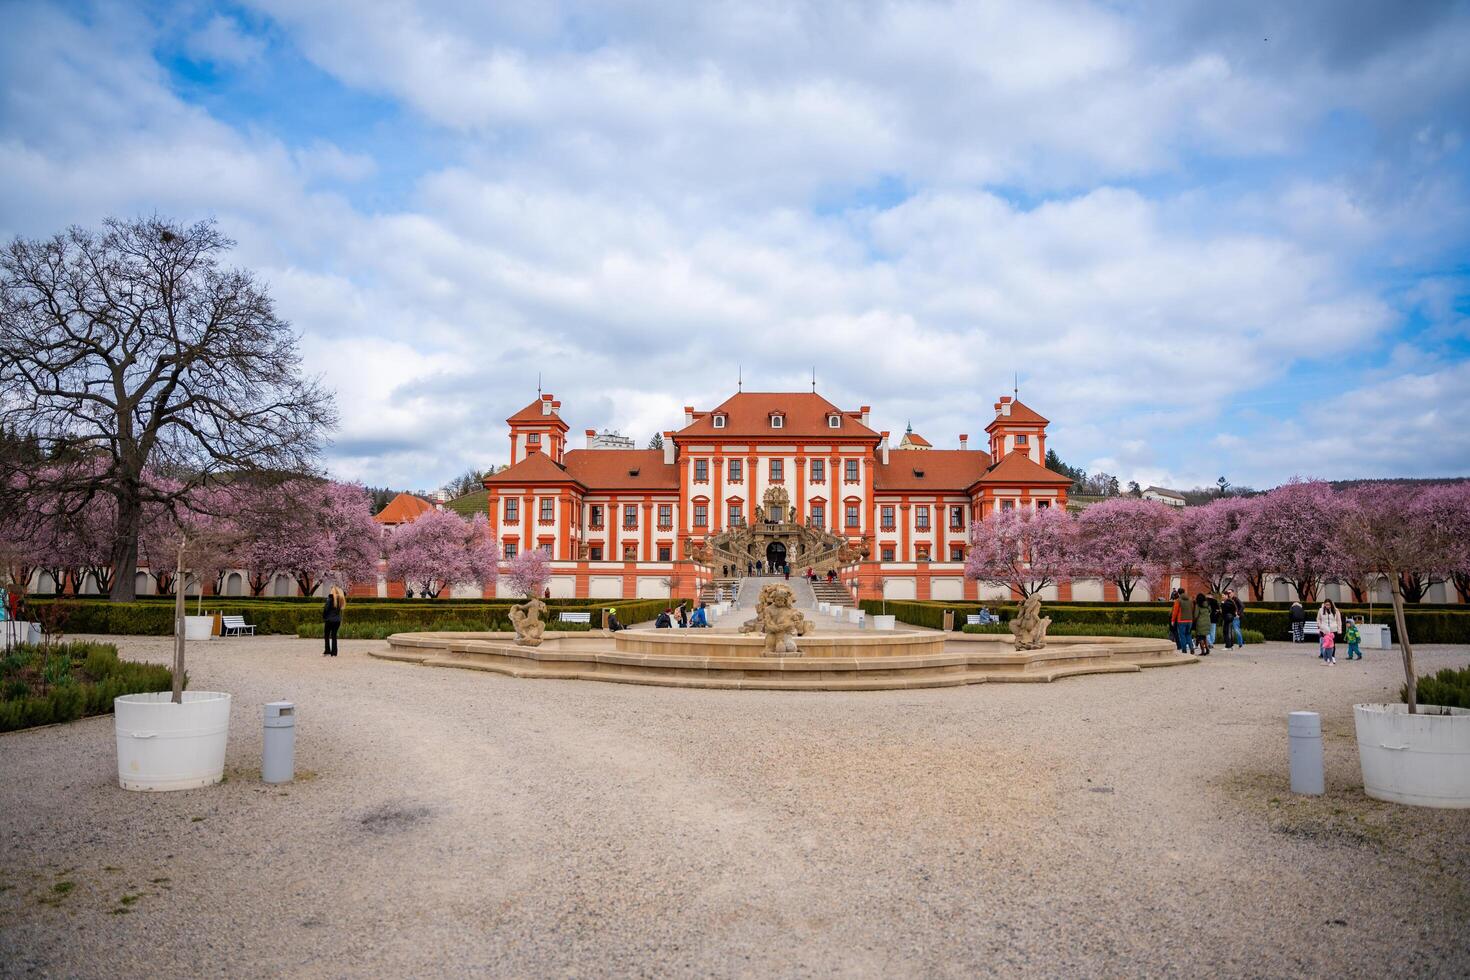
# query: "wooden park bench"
236, 626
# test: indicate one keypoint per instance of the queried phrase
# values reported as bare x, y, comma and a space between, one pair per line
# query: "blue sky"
1211, 239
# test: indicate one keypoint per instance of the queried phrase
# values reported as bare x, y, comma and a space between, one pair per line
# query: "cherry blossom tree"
440, 550
1392, 527
484, 552
1124, 539
1446, 510
528, 572
1028, 550
312, 530
1205, 542
1294, 531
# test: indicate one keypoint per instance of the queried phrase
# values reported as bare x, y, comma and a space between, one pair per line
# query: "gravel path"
454, 821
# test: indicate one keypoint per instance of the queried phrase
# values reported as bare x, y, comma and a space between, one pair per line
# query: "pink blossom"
1025, 549
528, 572
1294, 531
1124, 540
441, 550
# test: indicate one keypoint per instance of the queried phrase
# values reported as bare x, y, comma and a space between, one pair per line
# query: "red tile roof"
594, 470
914, 439
533, 412
622, 469
1019, 470
749, 414
944, 470
403, 509
1019, 413
537, 467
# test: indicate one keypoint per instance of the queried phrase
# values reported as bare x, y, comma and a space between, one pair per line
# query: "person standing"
1214, 605
683, 616
1353, 636
332, 620
1329, 623
1184, 622
1202, 625
1298, 619
1227, 614
1235, 620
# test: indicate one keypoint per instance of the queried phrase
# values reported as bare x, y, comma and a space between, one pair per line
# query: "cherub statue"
528, 620
778, 618
1029, 626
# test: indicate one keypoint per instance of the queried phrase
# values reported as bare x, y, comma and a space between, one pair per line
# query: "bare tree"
143, 369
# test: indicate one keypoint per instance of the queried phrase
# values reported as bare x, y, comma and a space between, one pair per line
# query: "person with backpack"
1182, 616
1298, 619
1353, 636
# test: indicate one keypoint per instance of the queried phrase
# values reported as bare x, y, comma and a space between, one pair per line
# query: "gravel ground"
450, 821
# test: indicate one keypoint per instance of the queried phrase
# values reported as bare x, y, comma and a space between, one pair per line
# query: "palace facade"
763, 476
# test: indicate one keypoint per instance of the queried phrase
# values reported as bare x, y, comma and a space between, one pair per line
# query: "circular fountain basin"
832, 661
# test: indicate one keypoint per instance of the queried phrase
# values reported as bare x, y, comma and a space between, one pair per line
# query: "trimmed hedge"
383, 628
83, 679
1450, 688
157, 619
1439, 625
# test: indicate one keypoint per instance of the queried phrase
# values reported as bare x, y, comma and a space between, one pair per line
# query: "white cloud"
222, 41
631, 218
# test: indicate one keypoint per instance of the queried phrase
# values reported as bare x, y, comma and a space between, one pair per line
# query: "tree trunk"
1306, 589
1404, 646
178, 697
1125, 588
125, 551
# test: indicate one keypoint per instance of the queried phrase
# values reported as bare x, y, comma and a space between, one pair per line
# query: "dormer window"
834, 421
778, 420
533, 438
719, 421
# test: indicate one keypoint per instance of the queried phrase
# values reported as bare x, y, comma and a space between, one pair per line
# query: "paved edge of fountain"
966, 659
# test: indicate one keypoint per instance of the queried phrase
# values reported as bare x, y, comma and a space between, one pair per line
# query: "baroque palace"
783, 477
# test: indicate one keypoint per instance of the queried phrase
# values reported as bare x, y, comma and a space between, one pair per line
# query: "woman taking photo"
332, 620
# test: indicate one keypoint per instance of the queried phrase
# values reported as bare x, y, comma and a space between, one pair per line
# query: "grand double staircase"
803, 545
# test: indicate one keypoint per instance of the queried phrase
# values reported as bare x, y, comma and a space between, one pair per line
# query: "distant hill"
470, 504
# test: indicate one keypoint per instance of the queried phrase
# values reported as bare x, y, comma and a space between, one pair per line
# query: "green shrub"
153, 618
78, 679
1450, 688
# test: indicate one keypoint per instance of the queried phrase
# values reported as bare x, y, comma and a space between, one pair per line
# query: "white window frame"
719, 421
834, 421
778, 422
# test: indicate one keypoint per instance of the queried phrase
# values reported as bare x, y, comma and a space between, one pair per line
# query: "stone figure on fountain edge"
778, 618
1029, 626
528, 620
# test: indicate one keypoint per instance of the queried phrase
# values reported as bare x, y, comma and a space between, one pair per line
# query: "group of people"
1330, 625
683, 617
1193, 622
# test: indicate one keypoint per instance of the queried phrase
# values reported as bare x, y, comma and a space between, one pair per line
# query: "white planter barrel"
198, 627
1421, 759
884, 622
166, 746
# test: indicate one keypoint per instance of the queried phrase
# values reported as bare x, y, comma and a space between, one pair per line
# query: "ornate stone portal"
527, 618
1029, 626
778, 618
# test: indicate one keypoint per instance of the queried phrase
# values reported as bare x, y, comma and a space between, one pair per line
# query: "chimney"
863, 414
1005, 405
688, 414
964, 441
669, 447
556, 406
590, 433
882, 445
545, 404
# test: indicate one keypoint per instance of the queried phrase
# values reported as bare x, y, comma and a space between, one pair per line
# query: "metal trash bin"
279, 763
1304, 729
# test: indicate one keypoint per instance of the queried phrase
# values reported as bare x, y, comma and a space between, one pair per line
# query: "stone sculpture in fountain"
1029, 626
778, 618
529, 621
